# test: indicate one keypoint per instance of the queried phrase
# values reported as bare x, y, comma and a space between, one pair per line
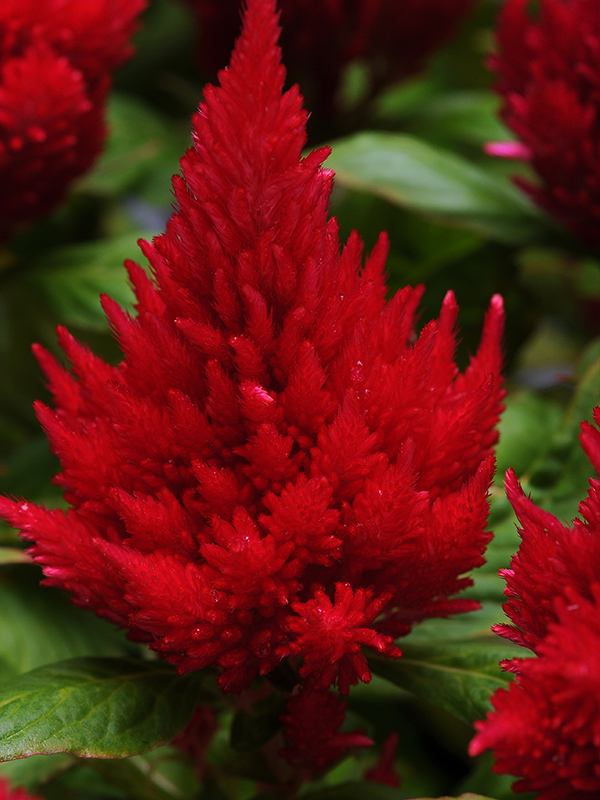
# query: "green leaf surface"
419, 176
137, 136
527, 424
453, 663
39, 625
96, 707
71, 279
465, 116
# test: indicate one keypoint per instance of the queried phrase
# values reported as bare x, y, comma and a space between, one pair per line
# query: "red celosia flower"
546, 727
319, 39
277, 447
548, 76
14, 793
311, 725
55, 64
553, 558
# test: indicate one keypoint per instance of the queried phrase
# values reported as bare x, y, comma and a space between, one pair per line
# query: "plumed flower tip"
321, 37
546, 727
55, 63
278, 467
553, 558
548, 76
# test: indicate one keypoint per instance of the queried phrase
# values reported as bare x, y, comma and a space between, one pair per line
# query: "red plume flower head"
547, 69
545, 728
55, 63
553, 558
279, 467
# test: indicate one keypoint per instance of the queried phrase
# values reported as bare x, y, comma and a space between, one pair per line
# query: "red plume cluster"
549, 78
280, 467
56, 58
546, 726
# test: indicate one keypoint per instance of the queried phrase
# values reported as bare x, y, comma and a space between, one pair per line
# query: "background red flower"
548, 76
56, 60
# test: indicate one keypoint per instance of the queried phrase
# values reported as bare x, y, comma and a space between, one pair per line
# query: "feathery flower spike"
548, 76
275, 447
56, 58
545, 727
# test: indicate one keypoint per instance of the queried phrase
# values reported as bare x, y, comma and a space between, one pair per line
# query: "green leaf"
96, 708
39, 625
457, 676
419, 176
465, 116
72, 278
137, 136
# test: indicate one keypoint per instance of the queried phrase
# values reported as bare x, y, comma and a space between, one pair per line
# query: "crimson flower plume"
548, 77
279, 467
56, 60
545, 727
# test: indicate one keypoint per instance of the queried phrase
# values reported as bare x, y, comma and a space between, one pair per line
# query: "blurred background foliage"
417, 169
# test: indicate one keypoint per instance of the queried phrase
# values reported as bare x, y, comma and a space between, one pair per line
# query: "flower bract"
279, 468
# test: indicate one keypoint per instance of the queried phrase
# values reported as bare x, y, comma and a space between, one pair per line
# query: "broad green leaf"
137, 135
39, 625
472, 627
457, 676
527, 424
419, 176
96, 708
71, 279
466, 116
